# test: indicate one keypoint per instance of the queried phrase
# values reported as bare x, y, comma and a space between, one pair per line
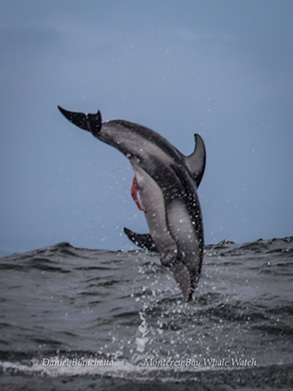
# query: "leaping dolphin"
167, 182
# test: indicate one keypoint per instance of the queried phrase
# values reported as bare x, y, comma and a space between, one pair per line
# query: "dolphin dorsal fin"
196, 162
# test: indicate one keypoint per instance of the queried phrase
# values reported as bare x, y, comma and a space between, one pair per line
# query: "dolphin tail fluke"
196, 162
91, 122
144, 241
78, 119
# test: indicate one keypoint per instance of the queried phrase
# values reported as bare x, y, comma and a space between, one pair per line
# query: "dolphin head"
90, 122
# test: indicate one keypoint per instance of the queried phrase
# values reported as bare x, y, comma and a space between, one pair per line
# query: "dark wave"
260, 246
62, 301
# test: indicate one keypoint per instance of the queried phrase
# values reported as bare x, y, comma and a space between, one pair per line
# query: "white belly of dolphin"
182, 230
153, 203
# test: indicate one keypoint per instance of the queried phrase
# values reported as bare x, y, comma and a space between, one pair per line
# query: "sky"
223, 69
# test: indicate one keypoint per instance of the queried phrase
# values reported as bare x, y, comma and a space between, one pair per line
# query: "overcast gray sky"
223, 69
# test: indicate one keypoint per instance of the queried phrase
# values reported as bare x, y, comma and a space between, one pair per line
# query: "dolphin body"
196, 164
167, 182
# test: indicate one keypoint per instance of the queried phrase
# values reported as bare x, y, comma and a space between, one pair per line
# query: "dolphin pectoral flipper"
144, 241
196, 162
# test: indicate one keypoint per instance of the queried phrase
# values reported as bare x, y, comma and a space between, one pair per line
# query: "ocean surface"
79, 319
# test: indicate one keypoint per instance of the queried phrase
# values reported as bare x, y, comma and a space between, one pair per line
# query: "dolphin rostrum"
167, 182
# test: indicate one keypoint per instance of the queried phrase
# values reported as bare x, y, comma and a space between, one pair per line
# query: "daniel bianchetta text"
72, 362
205, 362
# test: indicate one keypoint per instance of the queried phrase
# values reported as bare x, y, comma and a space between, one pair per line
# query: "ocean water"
79, 319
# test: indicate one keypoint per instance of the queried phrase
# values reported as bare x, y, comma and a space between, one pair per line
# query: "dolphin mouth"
90, 122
